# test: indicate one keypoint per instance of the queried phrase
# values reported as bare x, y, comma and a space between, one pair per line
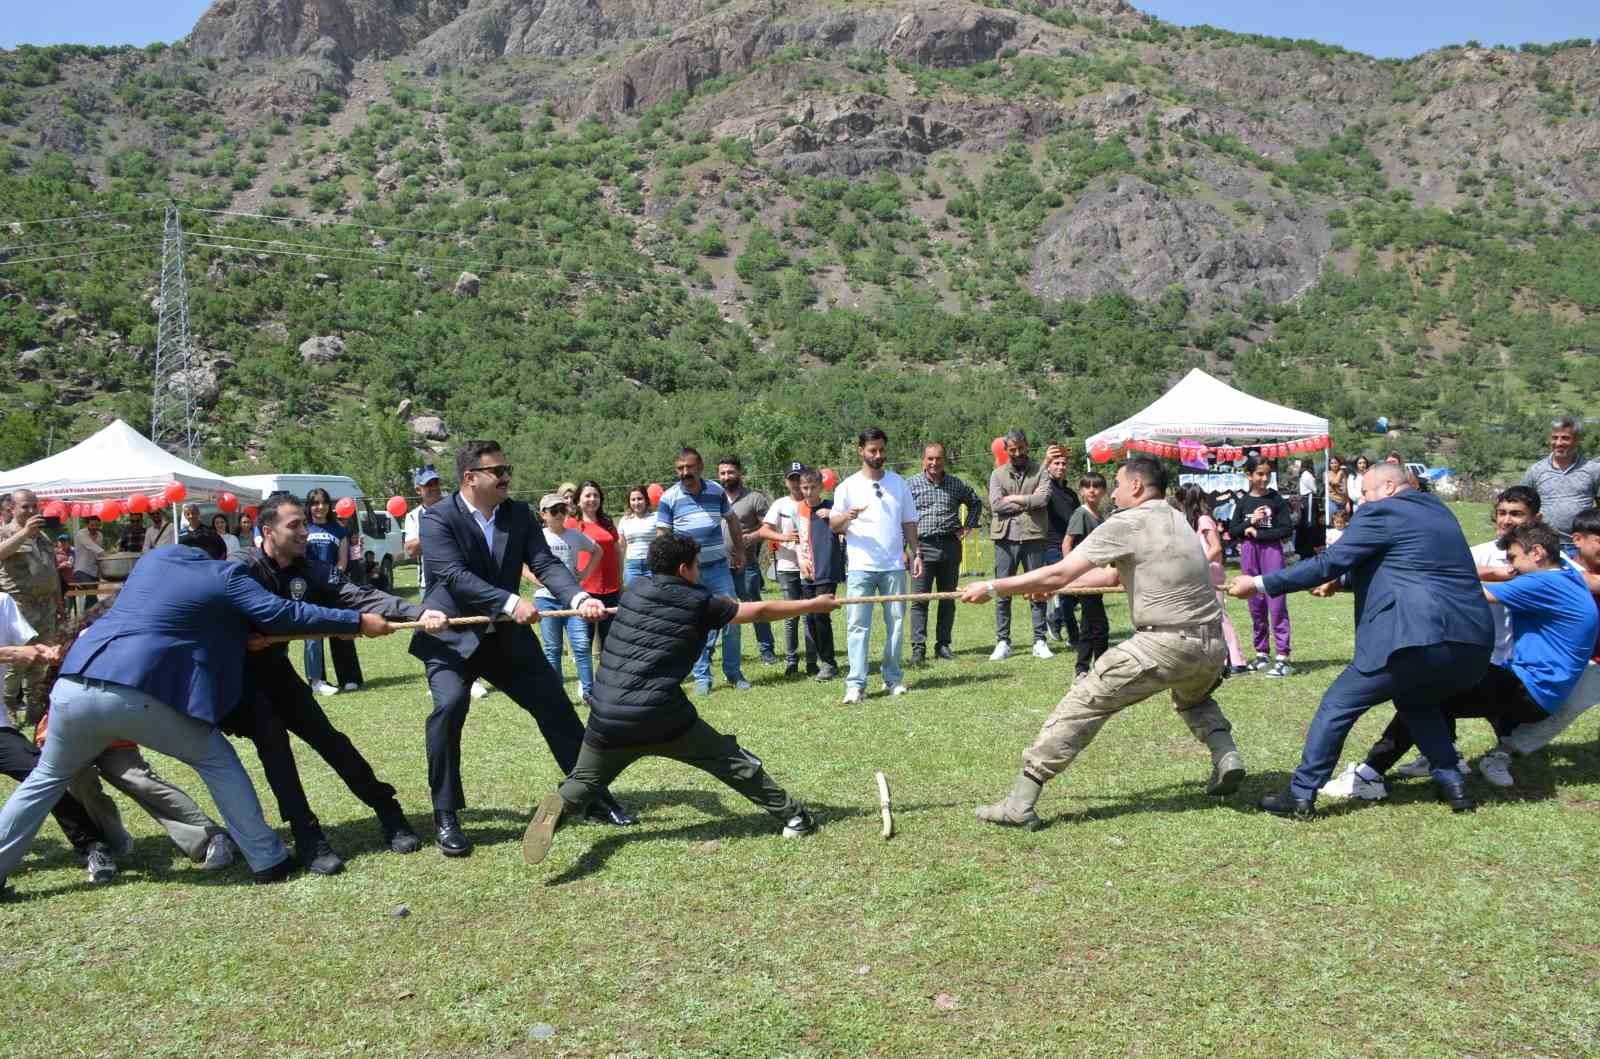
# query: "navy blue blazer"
178, 627
467, 577
1413, 576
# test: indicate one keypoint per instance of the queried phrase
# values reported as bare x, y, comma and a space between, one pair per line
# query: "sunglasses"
499, 470
877, 490
556, 509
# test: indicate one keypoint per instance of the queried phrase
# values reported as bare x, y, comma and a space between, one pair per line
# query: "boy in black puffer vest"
640, 709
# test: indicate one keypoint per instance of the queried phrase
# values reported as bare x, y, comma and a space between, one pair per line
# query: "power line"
82, 216
11, 247
82, 254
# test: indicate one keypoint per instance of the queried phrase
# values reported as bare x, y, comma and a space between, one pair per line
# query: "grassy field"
1145, 919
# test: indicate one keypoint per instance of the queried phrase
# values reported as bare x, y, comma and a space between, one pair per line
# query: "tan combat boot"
1227, 766
1016, 808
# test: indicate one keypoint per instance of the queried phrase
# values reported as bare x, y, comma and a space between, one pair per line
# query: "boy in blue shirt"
1553, 624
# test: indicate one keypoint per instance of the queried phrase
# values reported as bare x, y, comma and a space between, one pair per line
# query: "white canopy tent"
114, 463
1207, 409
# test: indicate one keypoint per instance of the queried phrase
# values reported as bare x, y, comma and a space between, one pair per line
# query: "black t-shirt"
658, 634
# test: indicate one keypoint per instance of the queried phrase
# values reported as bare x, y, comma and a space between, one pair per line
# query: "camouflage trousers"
28, 683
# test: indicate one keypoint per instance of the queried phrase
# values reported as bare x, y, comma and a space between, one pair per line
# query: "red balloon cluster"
998, 447
227, 503
345, 507
654, 491
830, 477
54, 509
396, 506
110, 510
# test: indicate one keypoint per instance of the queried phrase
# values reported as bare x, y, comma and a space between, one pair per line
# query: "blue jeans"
85, 718
718, 577
747, 579
578, 635
1417, 680
868, 583
632, 568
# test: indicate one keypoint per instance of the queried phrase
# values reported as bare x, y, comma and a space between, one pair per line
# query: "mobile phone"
52, 523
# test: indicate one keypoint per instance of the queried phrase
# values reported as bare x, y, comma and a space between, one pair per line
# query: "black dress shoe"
278, 872
448, 835
1455, 796
317, 854
397, 833
1286, 804
944, 653
605, 810
919, 656
792, 669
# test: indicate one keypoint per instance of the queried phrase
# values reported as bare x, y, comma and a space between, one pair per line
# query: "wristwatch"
988, 587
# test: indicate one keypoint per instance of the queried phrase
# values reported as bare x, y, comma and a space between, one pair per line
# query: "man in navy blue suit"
1423, 630
162, 667
476, 542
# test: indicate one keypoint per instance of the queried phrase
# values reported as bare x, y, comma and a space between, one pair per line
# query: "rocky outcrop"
353, 29
1137, 239
430, 427
467, 285
554, 28
323, 349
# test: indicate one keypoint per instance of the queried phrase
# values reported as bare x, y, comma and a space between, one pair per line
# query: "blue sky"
1397, 28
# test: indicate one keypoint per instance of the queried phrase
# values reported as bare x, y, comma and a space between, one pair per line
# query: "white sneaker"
1417, 768
895, 689
853, 696
219, 853
1349, 784
352, 686
1042, 650
1495, 767
479, 689
322, 687
1001, 652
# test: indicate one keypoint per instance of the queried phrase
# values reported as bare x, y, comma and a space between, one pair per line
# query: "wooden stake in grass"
883, 805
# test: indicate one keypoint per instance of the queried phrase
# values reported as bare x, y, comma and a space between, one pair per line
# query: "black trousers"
277, 703
819, 627
515, 666
17, 758
602, 628
941, 569
1062, 612
1500, 696
701, 746
1095, 630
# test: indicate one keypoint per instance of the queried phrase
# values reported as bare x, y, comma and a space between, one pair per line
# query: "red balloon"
174, 493
54, 509
110, 510
345, 507
138, 503
998, 447
252, 511
227, 503
396, 506
1100, 452
830, 477
654, 491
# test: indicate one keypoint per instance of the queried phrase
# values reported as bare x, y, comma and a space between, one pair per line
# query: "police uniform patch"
297, 589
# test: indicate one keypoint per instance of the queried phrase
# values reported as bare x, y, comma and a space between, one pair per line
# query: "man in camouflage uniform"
28, 575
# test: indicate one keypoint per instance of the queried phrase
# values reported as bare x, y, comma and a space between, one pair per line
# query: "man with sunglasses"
476, 542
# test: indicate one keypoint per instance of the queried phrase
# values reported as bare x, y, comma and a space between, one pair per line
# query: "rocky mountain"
824, 185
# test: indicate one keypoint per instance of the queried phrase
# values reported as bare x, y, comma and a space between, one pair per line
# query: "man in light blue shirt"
700, 509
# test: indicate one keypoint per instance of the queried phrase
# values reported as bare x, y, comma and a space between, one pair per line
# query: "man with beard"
277, 701
749, 507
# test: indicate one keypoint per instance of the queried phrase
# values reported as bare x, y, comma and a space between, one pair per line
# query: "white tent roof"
1205, 408
115, 462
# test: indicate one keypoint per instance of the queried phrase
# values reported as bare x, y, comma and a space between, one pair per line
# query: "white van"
380, 534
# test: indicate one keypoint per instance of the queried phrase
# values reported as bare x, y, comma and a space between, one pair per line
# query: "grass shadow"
743, 824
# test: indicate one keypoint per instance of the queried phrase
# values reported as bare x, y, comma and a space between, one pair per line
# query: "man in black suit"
1423, 630
476, 542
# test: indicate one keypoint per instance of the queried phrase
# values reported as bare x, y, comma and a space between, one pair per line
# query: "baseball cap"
424, 475
550, 500
796, 468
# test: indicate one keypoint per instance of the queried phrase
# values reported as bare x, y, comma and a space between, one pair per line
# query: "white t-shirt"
411, 530
232, 542
568, 546
638, 532
784, 517
14, 632
1308, 483
875, 540
1353, 486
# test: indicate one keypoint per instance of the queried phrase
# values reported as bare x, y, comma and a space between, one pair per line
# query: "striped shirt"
698, 515
938, 505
